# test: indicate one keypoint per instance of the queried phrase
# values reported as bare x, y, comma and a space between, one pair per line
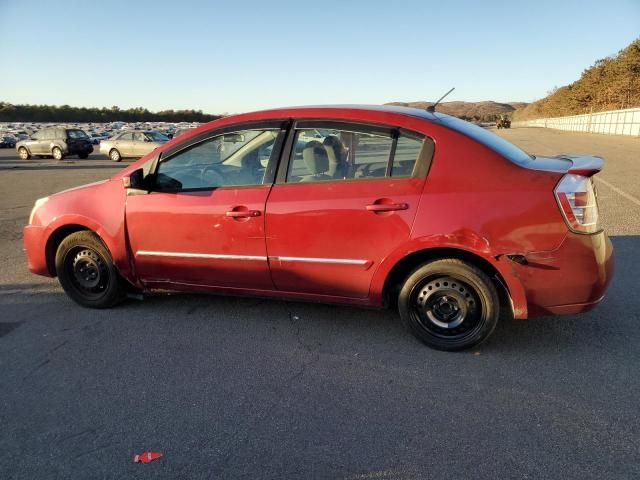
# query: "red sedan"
374, 206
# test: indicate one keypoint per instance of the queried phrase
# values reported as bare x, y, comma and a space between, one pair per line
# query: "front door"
39, 142
203, 221
348, 199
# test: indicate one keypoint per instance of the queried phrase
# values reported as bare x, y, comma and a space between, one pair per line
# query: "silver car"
132, 144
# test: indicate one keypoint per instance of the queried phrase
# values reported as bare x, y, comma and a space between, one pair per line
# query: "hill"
610, 83
483, 111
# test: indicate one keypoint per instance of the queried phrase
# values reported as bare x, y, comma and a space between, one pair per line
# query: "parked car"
56, 142
7, 142
96, 138
181, 131
132, 144
364, 211
503, 122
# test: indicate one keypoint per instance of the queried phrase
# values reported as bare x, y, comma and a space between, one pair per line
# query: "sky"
231, 57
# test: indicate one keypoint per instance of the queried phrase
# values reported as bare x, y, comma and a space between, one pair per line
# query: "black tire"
56, 153
87, 273
83, 156
114, 155
24, 154
449, 304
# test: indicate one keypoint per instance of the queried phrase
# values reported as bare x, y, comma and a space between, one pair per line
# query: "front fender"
97, 207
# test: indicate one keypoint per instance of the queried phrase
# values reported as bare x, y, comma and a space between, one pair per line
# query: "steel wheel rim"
447, 307
88, 271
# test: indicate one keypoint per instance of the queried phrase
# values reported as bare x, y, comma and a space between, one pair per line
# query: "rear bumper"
571, 279
34, 238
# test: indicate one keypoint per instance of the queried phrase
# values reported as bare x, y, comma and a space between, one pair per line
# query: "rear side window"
404, 160
126, 136
498, 144
76, 134
327, 154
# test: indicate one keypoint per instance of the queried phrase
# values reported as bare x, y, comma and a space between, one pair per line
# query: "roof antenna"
432, 108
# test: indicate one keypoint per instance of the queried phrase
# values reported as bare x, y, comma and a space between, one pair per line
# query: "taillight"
578, 202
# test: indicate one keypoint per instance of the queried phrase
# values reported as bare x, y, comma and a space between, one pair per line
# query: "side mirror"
135, 180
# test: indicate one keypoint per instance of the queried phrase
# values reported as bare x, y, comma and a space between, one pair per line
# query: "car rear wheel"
114, 155
87, 273
57, 153
449, 304
23, 153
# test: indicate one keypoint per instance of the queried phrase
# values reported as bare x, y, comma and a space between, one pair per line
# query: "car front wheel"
449, 304
87, 273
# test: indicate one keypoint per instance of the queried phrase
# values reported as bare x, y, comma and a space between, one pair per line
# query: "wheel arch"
509, 289
56, 237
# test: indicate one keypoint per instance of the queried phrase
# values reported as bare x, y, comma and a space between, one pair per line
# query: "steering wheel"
211, 177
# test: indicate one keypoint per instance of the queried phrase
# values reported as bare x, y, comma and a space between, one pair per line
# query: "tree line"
612, 83
66, 113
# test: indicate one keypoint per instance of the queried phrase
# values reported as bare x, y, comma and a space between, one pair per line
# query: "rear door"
124, 144
141, 144
345, 198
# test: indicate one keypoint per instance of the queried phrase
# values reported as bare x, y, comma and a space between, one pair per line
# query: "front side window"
343, 154
230, 159
138, 137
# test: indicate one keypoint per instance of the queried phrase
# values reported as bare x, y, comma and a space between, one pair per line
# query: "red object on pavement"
147, 457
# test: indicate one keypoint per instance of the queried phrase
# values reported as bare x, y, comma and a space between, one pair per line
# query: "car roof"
397, 109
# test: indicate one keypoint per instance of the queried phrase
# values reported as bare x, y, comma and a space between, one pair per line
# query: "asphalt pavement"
231, 387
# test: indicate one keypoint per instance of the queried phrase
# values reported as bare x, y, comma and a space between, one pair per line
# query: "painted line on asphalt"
621, 192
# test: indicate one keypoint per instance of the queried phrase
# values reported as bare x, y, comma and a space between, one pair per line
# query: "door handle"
387, 207
243, 213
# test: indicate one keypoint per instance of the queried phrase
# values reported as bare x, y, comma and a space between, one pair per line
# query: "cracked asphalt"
248, 388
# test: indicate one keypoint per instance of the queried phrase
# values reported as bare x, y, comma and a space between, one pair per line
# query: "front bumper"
571, 279
35, 238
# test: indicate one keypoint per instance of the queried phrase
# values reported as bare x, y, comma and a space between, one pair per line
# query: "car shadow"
612, 326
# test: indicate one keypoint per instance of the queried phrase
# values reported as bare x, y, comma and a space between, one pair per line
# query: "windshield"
157, 137
76, 134
488, 139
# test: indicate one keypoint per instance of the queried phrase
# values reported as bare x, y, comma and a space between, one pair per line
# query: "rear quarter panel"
477, 201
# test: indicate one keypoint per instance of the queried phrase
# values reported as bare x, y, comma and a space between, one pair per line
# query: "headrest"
315, 157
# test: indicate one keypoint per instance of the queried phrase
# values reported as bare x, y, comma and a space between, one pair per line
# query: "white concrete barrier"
613, 122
